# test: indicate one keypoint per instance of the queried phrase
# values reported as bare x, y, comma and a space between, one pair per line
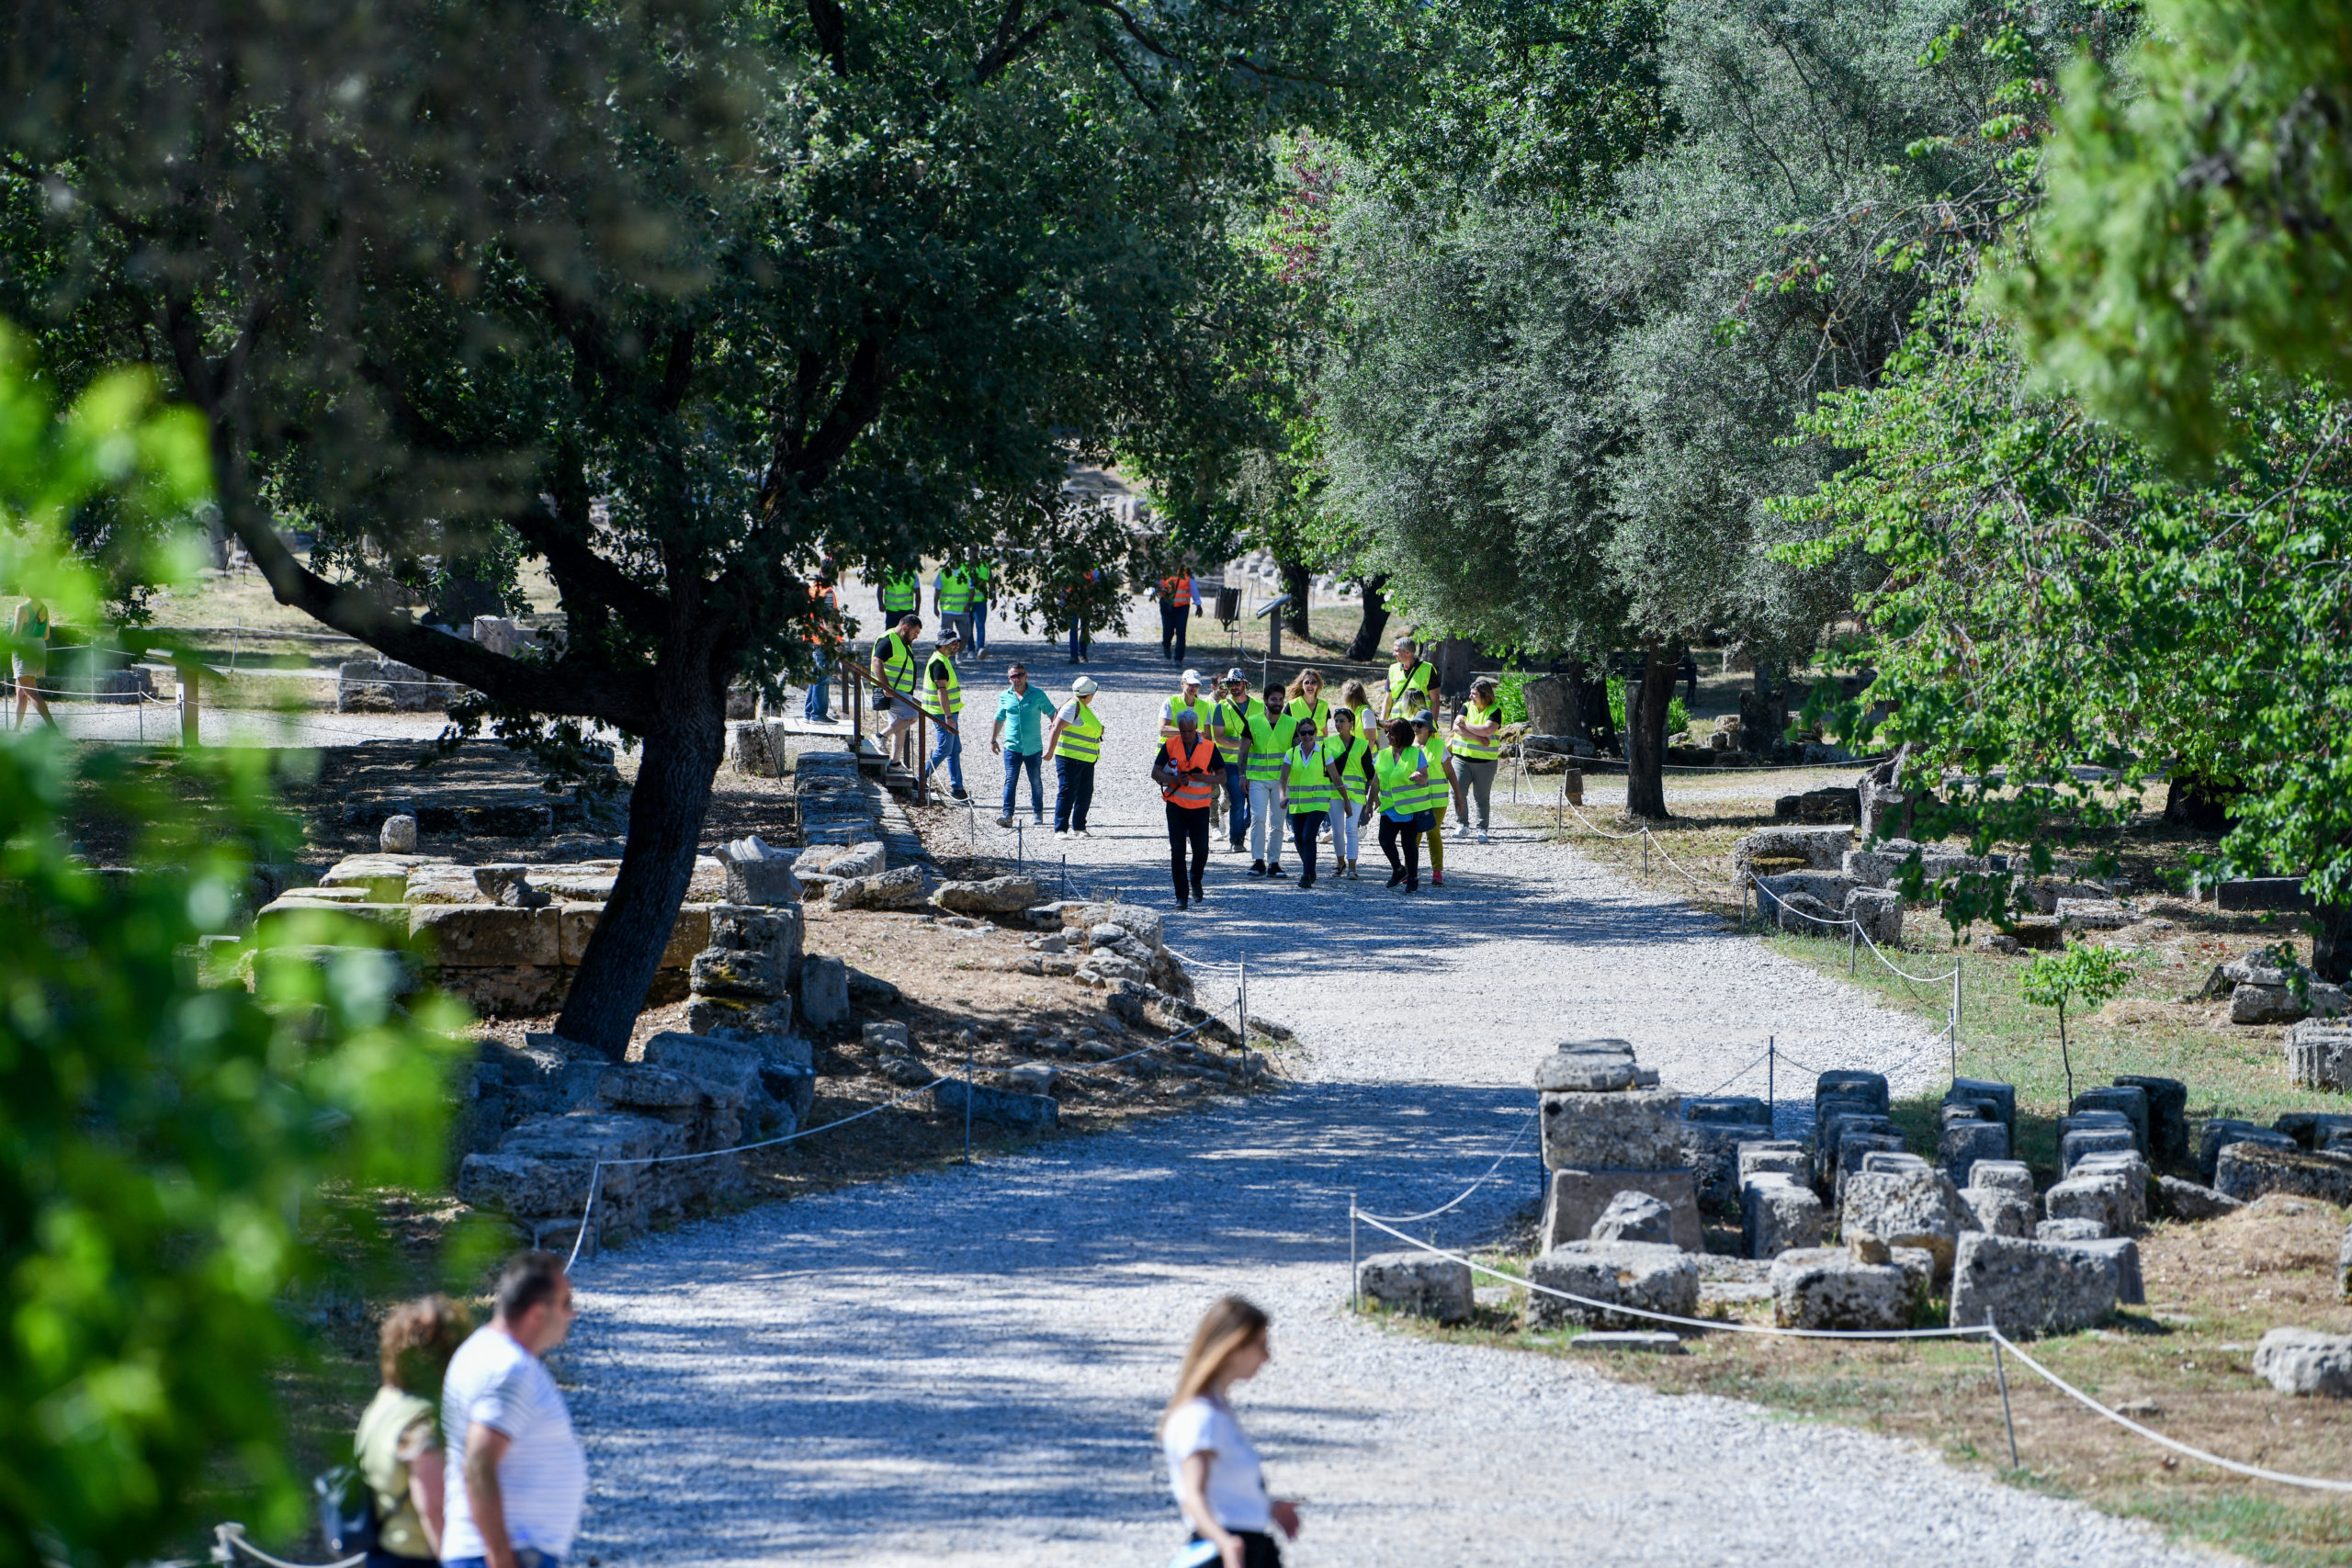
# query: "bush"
1510, 696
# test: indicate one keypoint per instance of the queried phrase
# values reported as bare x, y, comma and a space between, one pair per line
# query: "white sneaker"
1062, 833
1482, 835
1084, 834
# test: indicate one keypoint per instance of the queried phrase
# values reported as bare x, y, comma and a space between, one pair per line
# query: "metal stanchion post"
1019, 847
967, 1107
1853, 946
1955, 1016
1645, 854
2000, 1373
1355, 1303
1065, 874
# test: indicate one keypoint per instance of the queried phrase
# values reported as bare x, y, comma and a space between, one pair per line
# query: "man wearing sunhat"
943, 699
1074, 746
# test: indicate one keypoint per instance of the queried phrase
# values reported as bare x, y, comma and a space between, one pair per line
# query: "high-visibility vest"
954, 590
980, 579
942, 665
1319, 710
1236, 722
1476, 751
897, 662
1267, 744
1082, 738
1398, 793
1199, 708
1408, 692
1305, 782
1350, 759
1192, 794
1176, 590
901, 593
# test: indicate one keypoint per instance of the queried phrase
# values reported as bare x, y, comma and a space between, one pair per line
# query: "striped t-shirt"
542, 1476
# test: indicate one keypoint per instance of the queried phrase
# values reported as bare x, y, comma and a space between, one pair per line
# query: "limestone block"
734, 972
2130, 1289
1634, 1217
775, 931
2220, 1132
1712, 1150
1633, 1129
1778, 1214
2003, 1176
994, 895
1825, 1287
2134, 1172
1851, 1081
689, 934
300, 968
1919, 1208
465, 935
886, 1037
869, 859
2247, 1170
1879, 913
1965, 1143
2071, 1230
1021, 1113
2101, 1196
1611, 1275
762, 882
2031, 1287
2304, 1361
1419, 1283
2319, 1055
543, 1168
2001, 1214
1820, 848
726, 1070
2003, 1095
1853, 1148
1890, 1160
738, 1015
397, 836
2182, 1199
2077, 1144
2129, 1099
1783, 1157
1137, 921
824, 991
898, 889
385, 876
506, 990
1574, 1199
1033, 1077
2167, 1116
1662, 1342
1586, 1066
444, 884
639, 1086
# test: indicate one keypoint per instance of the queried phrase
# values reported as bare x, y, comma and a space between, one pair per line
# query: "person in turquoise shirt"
1026, 708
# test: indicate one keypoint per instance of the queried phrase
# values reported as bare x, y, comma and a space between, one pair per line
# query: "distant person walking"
29, 628
1075, 745
1349, 755
1175, 593
1477, 748
1310, 786
1440, 788
825, 645
1403, 771
398, 1446
1186, 771
1410, 681
1213, 1471
894, 667
1025, 709
1269, 730
1229, 723
516, 1476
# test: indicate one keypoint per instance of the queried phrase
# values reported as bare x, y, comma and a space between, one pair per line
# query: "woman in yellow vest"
943, 698
1306, 702
1402, 772
1074, 746
1357, 700
1410, 681
1349, 755
1310, 788
1475, 747
1440, 786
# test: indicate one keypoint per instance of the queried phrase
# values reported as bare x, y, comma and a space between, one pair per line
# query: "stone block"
2129, 1100
2003, 1176
737, 972
1890, 1161
900, 888
2078, 1143
397, 836
1586, 1066
824, 991
1825, 1287
2304, 1361
2003, 1096
639, 1086
2129, 1289
886, 1036
1783, 1157
2101, 1196
469, 935
1660, 1343
738, 1015
2134, 1172
1021, 1113
1632, 1129
1417, 1283
1831, 1132
2220, 1132
726, 1070
1634, 1217
1879, 913
1965, 1143
543, 1168
2312, 1129
1918, 1208
2071, 1230
1574, 1201
1712, 1151
443, 884
2247, 1170
1033, 1077
2319, 1055
1852, 1150
994, 895
867, 859
1997, 1212
1848, 1081
2167, 1116
1778, 1214
1611, 1276
2179, 1200
1821, 848
762, 882
1727, 1110
2028, 1288
777, 932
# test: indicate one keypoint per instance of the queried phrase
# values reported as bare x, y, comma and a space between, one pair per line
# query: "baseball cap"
1192, 677
1084, 686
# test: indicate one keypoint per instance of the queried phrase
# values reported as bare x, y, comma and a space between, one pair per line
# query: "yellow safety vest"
1398, 793
954, 590
1305, 782
1407, 693
1236, 722
1267, 744
901, 593
1476, 751
1297, 707
930, 695
1350, 760
1082, 738
897, 662
1201, 708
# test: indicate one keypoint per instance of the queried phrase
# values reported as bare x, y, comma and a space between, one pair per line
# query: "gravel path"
964, 1368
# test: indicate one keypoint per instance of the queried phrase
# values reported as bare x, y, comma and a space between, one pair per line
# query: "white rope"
231, 1538
2256, 1471
1508, 1150
1622, 838
1875, 951
1735, 1076
1670, 860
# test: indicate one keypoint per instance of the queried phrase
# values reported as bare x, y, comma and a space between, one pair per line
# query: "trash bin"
1229, 604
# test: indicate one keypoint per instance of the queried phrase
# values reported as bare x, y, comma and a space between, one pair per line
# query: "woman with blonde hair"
399, 1445
1357, 700
1305, 700
1211, 1465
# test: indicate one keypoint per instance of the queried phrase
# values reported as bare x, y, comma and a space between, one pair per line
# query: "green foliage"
2082, 975
158, 1133
1677, 715
2199, 218
1615, 686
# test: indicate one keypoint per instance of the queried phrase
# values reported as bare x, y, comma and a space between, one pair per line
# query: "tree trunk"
665, 820
2197, 803
1296, 584
1574, 675
2331, 944
1646, 733
1376, 619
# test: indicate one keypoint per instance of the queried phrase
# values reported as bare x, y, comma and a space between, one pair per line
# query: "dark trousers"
814, 706
1258, 1549
1236, 800
1305, 828
1073, 793
1081, 639
1406, 836
1187, 825
1171, 631
1016, 765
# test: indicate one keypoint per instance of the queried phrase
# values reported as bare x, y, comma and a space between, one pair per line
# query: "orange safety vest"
1176, 591
1193, 794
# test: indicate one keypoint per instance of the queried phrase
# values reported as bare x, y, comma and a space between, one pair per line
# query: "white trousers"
1343, 830
1267, 823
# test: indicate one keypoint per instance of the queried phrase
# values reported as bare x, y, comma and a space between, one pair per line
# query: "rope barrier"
1464, 1195
1737, 1077
228, 1539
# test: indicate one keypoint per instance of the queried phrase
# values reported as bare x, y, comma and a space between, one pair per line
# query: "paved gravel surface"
965, 1368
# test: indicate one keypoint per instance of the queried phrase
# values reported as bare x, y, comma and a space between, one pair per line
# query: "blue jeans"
529, 1557
1080, 639
1015, 762
949, 749
816, 706
979, 625
1237, 797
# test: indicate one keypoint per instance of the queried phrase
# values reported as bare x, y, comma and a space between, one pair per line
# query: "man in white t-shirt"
515, 1477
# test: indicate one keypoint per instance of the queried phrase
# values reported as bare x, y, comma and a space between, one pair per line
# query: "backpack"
346, 1511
